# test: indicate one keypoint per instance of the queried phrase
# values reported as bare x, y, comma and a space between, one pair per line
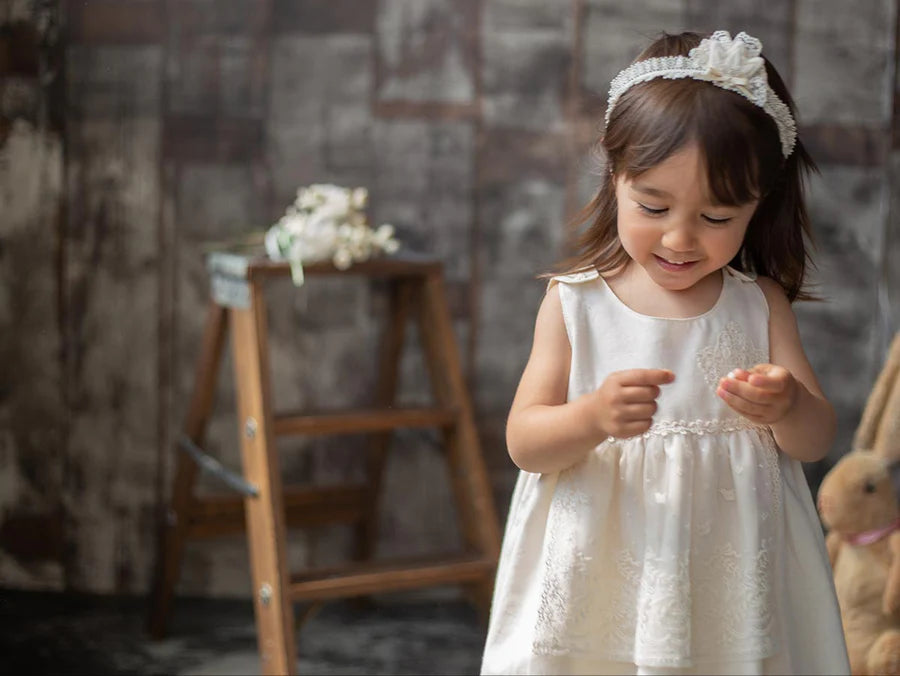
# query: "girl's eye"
717, 221
651, 211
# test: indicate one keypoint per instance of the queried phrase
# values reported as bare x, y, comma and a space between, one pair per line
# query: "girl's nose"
679, 238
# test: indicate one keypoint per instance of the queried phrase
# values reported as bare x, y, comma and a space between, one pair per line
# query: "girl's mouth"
671, 266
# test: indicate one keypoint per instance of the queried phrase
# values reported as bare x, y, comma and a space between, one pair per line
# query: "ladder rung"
216, 515
363, 420
376, 577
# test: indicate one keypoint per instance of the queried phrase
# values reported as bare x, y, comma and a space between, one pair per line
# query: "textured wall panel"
319, 124
842, 56
845, 205
324, 16
424, 187
889, 309
114, 21
522, 197
33, 417
113, 82
216, 17
526, 70
426, 51
212, 74
111, 294
216, 201
615, 32
112, 305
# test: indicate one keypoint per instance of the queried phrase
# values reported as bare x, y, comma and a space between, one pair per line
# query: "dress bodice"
699, 350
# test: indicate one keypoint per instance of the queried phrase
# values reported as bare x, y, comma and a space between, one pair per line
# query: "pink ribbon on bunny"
867, 537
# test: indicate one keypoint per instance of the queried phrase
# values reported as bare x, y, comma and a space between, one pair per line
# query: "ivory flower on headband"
732, 64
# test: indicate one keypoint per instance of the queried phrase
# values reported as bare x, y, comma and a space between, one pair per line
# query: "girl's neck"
634, 287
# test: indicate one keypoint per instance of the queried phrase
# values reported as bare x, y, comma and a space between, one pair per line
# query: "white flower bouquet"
327, 222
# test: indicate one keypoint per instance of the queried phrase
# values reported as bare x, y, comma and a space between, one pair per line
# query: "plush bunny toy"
858, 504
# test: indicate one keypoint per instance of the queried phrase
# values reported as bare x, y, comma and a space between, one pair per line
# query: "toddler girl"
662, 522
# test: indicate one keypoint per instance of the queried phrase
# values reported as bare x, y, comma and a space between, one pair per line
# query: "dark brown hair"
742, 152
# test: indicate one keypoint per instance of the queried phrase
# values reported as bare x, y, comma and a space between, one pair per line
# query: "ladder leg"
266, 532
472, 489
173, 531
386, 388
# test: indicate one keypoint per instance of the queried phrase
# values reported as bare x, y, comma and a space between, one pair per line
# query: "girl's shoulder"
776, 298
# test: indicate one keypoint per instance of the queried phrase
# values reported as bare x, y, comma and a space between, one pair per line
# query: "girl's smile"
674, 266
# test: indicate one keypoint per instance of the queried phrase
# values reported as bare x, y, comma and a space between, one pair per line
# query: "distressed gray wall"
132, 132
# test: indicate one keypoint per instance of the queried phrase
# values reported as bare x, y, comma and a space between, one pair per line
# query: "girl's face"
671, 226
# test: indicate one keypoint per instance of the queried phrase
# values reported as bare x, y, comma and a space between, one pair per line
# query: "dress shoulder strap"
740, 276
575, 277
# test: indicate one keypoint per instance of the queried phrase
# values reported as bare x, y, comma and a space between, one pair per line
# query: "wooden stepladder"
264, 508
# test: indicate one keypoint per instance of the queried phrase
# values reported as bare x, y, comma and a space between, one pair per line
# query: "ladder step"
362, 420
376, 577
215, 515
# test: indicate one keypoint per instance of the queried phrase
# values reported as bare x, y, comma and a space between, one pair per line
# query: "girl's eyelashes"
717, 221
650, 210
659, 212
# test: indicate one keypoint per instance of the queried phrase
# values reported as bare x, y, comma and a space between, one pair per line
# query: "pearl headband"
735, 65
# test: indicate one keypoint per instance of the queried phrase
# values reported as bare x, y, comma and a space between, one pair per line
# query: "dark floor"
48, 633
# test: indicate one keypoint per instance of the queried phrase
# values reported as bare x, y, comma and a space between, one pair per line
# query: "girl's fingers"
746, 391
766, 382
637, 394
742, 406
645, 377
636, 412
769, 375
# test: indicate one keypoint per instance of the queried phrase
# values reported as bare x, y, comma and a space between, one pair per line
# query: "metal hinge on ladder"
228, 279
216, 468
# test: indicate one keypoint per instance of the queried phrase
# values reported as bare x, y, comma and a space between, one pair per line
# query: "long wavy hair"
740, 145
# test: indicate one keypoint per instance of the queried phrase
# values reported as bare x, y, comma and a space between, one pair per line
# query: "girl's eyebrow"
648, 190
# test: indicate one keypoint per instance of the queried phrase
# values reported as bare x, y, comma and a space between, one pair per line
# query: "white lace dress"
694, 548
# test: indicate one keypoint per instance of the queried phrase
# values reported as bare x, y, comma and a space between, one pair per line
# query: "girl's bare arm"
544, 432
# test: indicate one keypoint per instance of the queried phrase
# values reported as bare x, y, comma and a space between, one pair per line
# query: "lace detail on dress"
710, 598
741, 599
732, 349
664, 428
664, 611
562, 613
644, 610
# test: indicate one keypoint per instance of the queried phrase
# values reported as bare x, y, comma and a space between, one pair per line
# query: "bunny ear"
893, 469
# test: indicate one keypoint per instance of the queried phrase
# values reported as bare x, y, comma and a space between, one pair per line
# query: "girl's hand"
764, 394
626, 401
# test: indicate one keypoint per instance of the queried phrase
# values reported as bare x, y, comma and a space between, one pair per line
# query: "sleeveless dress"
693, 548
